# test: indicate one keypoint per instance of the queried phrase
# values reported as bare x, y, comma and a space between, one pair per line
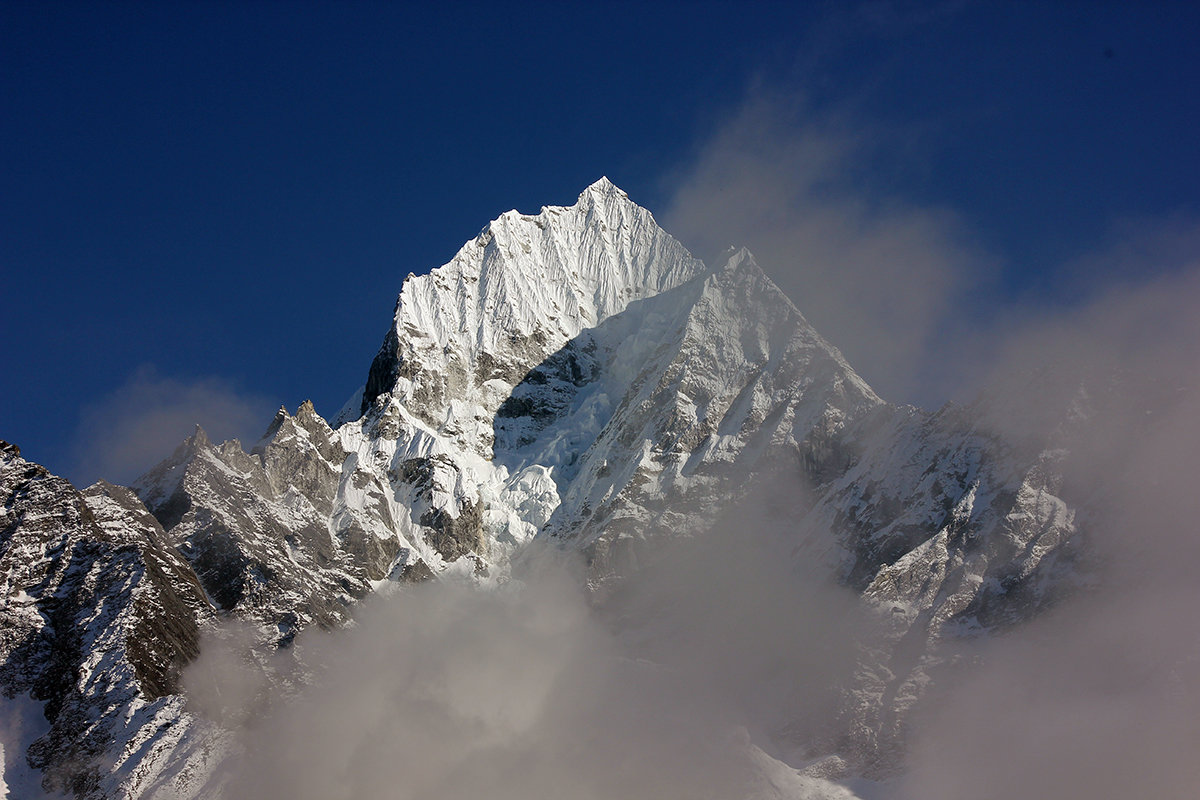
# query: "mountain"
575, 377
101, 612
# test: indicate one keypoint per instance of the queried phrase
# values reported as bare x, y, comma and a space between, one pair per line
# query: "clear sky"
207, 209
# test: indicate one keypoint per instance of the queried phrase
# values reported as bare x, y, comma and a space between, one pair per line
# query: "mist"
533, 689
125, 433
883, 277
1101, 697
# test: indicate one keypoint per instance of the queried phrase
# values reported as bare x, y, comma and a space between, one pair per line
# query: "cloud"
22, 722
1135, 253
1101, 697
125, 433
879, 276
530, 690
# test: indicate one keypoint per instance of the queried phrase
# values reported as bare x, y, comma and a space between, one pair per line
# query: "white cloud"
527, 691
880, 277
127, 432
1101, 697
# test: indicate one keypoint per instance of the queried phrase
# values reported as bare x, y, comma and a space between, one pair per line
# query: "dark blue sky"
233, 192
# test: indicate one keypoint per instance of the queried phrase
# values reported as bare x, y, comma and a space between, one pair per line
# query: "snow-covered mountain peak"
739, 264
605, 250
466, 333
740, 274
573, 374
735, 256
603, 187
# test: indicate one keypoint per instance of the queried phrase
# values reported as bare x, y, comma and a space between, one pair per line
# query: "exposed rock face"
100, 615
574, 375
257, 527
948, 531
